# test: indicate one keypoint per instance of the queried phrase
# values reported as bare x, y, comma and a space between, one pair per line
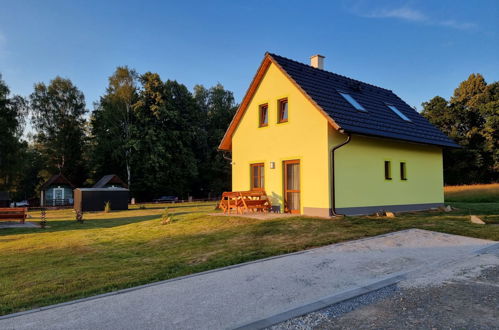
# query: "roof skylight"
352, 101
397, 111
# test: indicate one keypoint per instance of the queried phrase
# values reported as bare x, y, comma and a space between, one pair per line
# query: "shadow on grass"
65, 225
199, 250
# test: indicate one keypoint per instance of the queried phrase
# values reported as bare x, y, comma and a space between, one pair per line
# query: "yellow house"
323, 144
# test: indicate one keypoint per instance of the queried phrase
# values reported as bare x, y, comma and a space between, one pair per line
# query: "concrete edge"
322, 303
488, 249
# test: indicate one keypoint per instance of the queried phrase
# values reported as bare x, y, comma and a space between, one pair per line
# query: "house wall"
49, 193
303, 137
360, 182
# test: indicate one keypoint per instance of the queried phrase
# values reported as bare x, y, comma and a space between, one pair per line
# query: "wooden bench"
255, 201
230, 201
245, 201
13, 213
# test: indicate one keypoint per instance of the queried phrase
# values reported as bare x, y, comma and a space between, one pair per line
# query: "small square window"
403, 171
388, 170
263, 115
283, 111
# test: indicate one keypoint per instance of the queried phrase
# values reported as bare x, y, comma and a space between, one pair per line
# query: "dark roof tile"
323, 86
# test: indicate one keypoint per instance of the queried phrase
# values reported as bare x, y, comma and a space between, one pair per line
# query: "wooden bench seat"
230, 201
13, 213
245, 201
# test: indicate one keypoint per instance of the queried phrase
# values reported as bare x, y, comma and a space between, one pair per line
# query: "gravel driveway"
464, 296
241, 294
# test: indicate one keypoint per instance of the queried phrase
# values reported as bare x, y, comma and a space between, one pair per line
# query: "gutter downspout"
333, 193
225, 157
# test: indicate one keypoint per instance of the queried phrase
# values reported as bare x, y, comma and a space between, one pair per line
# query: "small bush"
142, 207
165, 217
107, 207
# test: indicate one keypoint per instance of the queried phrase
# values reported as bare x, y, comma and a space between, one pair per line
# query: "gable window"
403, 171
388, 170
257, 176
397, 112
283, 111
352, 101
263, 115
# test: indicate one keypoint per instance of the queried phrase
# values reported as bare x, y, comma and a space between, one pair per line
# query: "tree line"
471, 118
162, 138
156, 135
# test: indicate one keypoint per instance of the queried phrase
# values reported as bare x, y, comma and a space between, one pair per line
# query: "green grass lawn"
121, 249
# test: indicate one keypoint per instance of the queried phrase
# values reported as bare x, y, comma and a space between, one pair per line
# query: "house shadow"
176, 206
67, 225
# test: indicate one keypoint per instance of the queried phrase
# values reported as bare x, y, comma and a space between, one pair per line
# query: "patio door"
292, 186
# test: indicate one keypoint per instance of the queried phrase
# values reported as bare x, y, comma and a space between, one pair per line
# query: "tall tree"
112, 124
58, 118
471, 118
218, 107
164, 134
12, 113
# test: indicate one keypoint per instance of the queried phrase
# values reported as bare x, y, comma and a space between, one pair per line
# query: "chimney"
317, 61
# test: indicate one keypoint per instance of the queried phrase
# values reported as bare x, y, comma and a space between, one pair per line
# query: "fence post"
79, 216
43, 220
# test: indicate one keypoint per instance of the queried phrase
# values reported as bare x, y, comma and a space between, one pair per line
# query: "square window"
283, 111
388, 170
264, 115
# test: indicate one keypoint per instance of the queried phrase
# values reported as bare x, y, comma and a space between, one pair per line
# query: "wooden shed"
94, 199
4, 199
56, 191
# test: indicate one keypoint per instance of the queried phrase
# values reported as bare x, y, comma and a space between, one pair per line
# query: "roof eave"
226, 143
455, 146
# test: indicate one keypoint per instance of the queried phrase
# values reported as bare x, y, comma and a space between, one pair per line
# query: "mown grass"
478, 193
116, 250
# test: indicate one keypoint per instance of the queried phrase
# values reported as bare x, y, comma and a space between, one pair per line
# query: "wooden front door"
292, 186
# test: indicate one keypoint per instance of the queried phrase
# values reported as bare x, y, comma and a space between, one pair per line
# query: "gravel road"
463, 296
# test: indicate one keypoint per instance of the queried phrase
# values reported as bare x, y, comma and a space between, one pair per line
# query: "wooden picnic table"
245, 201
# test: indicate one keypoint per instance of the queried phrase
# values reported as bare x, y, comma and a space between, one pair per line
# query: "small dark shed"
110, 181
4, 199
94, 199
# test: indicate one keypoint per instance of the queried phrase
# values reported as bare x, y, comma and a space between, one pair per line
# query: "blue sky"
418, 49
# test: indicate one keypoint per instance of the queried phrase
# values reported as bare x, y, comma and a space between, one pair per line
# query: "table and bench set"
245, 201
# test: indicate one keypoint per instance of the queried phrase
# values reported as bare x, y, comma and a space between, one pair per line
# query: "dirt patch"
257, 215
17, 224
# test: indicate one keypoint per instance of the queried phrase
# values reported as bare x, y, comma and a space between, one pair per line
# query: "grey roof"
324, 87
57, 179
107, 178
